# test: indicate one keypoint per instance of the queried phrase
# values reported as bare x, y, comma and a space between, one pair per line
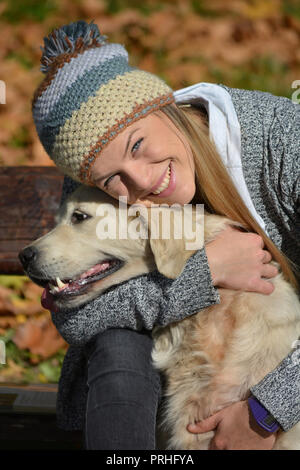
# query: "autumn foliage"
253, 44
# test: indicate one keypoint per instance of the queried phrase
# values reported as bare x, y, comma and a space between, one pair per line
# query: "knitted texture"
270, 133
89, 95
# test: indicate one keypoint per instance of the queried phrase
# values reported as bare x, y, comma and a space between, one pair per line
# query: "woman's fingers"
267, 257
269, 271
262, 287
239, 260
260, 284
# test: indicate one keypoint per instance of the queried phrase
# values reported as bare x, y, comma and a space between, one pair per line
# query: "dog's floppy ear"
169, 247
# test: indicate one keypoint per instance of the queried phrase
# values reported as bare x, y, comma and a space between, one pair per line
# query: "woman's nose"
138, 177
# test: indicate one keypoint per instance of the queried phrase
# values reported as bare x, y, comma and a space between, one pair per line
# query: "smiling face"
149, 162
73, 262
93, 247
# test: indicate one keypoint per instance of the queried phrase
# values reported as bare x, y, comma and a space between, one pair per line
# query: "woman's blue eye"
136, 145
134, 149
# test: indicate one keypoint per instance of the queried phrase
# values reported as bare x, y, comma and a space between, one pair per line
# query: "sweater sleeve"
279, 391
142, 302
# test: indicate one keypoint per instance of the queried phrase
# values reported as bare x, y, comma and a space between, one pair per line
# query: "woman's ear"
170, 246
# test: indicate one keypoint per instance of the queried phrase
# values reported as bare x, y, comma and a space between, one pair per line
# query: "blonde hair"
214, 186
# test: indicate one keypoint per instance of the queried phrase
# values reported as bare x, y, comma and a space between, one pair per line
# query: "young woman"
123, 130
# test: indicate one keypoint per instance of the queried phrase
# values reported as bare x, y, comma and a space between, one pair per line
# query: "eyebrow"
126, 149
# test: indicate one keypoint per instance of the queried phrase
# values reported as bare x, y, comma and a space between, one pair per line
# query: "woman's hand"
238, 261
236, 429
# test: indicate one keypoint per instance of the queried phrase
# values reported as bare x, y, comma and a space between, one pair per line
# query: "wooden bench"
30, 198
29, 201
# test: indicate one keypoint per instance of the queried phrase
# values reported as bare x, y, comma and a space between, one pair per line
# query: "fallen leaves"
242, 43
168, 39
39, 336
30, 336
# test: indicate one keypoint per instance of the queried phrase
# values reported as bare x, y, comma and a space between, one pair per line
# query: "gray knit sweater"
270, 138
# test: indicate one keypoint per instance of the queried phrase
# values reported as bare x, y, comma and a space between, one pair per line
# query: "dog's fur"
210, 359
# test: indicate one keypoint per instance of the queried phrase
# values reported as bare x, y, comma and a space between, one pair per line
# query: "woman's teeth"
165, 183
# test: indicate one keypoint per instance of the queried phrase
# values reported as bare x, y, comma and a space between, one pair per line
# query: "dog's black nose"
27, 255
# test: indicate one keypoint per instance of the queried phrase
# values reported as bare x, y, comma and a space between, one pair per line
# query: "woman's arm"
153, 299
279, 391
142, 302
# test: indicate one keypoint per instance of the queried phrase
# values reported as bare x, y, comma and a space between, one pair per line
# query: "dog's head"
76, 263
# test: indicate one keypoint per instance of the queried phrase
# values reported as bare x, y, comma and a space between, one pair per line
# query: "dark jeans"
124, 391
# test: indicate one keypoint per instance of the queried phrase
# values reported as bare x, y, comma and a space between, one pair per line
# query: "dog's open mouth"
60, 289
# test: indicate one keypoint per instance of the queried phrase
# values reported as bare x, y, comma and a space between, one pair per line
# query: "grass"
21, 139
291, 7
21, 58
146, 7
200, 8
20, 10
263, 73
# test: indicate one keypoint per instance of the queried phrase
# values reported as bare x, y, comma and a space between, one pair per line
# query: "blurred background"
250, 44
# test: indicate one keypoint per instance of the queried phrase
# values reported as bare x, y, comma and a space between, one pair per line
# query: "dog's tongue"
47, 300
96, 269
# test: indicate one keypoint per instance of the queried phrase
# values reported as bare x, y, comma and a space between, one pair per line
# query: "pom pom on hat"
69, 38
88, 96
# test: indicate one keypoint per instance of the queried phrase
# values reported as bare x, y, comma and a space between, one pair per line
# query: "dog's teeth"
59, 282
53, 289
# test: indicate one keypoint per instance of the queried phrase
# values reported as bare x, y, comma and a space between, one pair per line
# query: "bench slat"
29, 202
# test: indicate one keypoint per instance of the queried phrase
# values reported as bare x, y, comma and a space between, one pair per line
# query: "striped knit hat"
89, 95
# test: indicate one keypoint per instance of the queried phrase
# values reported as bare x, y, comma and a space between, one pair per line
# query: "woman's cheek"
119, 189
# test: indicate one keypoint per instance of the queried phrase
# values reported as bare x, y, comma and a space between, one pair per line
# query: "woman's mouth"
168, 183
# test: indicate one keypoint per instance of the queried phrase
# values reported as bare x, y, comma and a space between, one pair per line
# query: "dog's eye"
78, 217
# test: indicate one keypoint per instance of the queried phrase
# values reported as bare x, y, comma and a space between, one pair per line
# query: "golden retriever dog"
210, 359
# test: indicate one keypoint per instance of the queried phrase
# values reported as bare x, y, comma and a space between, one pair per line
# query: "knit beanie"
89, 95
